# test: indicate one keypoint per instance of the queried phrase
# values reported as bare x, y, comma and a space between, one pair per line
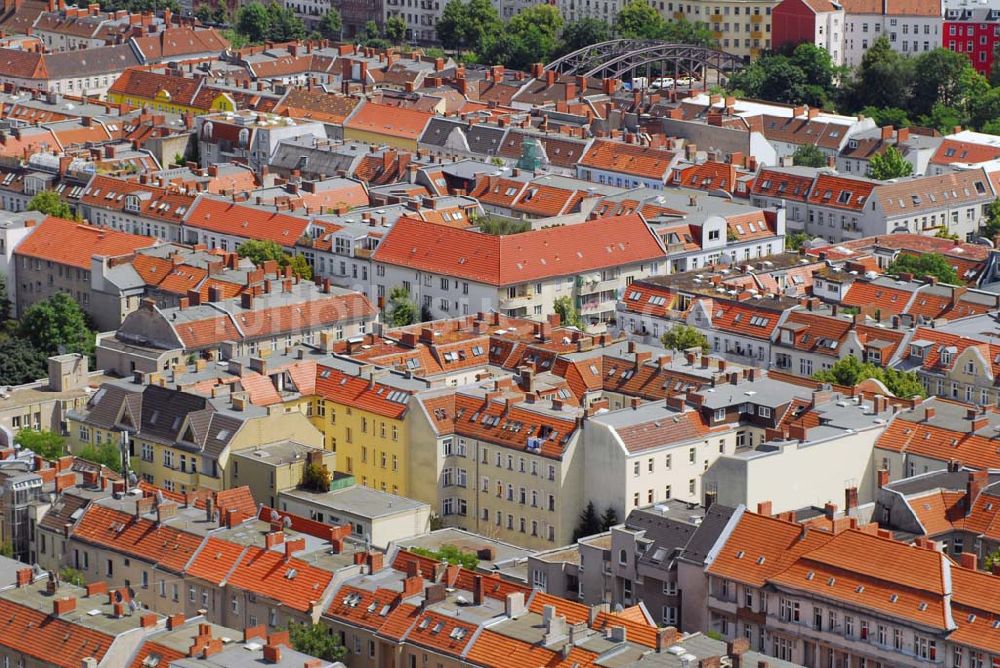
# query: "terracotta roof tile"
160, 544
69, 243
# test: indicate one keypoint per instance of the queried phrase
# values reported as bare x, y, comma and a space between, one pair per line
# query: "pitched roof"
140, 538
518, 258
225, 217
634, 159
50, 640
292, 582
388, 120
74, 244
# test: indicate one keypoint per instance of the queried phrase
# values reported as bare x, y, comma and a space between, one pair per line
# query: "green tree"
893, 116
816, 64
991, 228
889, 164
300, 266
481, 20
283, 24
450, 26
395, 29
534, 32
794, 241
589, 523
72, 576
568, 315
21, 362
582, 33
809, 155
925, 264
638, 20
609, 518
944, 118
316, 478
850, 371
993, 558
449, 554
260, 251
106, 454
57, 325
43, 442
682, 337
884, 78
502, 226
939, 79
316, 640
682, 31
253, 22
4, 300
401, 309
369, 31
49, 203
332, 25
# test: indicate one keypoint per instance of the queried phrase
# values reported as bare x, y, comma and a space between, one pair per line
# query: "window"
764, 411
788, 610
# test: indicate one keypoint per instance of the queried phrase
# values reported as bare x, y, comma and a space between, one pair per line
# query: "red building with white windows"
974, 32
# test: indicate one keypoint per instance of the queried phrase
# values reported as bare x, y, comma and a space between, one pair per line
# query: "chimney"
62, 606
829, 510
968, 560
973, 488
477, 590
665, 638
883, 478
850, 499
764, 508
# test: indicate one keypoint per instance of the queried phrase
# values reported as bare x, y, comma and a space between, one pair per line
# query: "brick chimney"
974, 487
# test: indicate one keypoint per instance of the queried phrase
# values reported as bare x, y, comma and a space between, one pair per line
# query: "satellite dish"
159, 497
275, 517
287, 522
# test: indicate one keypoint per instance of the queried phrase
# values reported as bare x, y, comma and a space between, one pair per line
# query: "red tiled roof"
388, 120
246, 221
359, 392
160, 544
633, 159
840, 192
68, 243
215, 560
518, 258
150, 649
49, 640
292, 582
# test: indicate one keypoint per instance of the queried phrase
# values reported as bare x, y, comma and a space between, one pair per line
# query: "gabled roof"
50, 640
633, 159
840, 192
388, 120
140, 538
292, 582
361, 392
249, 222
74, 244
519, 258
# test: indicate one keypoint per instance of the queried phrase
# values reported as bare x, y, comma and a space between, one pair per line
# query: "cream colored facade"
741, 27
272, 469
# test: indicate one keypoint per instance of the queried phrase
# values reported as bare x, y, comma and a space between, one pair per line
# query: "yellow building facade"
741, 27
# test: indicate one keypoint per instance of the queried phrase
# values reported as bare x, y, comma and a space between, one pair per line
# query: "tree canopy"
106, 454
682, 337
589, 523
20, 362
57, 325
850, 371
316, 478
568, 315
331, 26
48, 444
890, 164
450, 554
401, 310
925, 264
260, 251
582, 33
273, 22
809, 155
49, 203
315, 640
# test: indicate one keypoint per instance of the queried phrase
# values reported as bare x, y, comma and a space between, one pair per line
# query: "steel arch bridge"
619, 57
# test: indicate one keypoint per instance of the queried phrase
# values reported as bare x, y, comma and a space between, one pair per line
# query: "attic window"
845, 197
760, 560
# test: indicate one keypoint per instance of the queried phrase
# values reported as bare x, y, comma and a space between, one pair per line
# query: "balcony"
593, 287
756, 18
715, 18
364, 253
517, 300
591, 308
